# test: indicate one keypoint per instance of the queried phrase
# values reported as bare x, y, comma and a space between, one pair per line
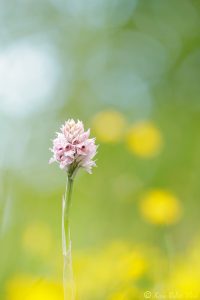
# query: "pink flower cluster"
73, 149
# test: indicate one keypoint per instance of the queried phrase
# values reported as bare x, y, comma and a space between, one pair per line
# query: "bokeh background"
130, 70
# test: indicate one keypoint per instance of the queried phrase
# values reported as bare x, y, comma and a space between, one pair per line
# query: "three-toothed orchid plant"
72, 150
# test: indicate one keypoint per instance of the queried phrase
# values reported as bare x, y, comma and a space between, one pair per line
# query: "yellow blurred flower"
132, 265
186, 273
144, 139
28, 288
109, 126
160, 207
37, 239
186, 281
117, 264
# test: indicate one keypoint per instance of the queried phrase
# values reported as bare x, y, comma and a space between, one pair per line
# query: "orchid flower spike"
73, 149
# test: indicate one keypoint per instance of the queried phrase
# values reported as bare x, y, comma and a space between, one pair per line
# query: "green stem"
68, 282
67, 205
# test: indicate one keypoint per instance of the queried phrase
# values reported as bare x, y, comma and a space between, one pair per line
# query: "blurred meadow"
130, 69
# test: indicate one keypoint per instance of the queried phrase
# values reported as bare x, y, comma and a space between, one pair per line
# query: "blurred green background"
130, 70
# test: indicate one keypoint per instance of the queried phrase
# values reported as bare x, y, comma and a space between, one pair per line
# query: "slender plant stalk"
68, 280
